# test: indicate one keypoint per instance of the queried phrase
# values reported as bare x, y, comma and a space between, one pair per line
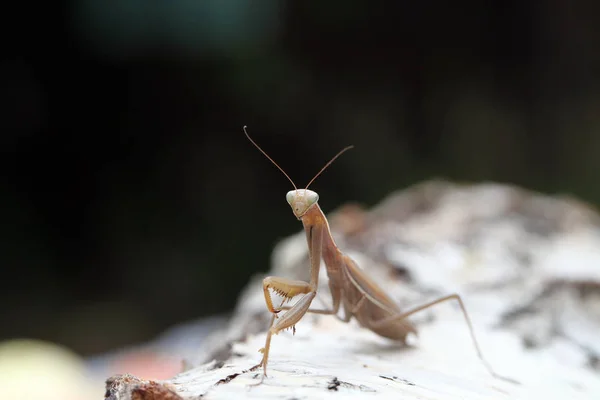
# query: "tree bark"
526, 265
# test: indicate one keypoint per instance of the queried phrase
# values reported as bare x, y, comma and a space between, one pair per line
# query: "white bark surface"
526, 265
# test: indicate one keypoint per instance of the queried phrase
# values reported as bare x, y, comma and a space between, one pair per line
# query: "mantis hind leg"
400, 316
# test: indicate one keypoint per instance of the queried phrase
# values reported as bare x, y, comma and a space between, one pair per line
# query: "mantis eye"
290, 196
311, 197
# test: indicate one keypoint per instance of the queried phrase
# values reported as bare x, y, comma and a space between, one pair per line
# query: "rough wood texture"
527, 266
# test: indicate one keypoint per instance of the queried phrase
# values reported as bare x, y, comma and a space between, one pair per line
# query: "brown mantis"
351, 288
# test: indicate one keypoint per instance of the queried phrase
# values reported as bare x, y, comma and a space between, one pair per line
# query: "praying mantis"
351, 288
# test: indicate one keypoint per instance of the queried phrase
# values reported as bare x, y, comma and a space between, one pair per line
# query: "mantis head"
301, 200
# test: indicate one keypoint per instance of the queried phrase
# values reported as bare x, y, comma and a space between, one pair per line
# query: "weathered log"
527, 266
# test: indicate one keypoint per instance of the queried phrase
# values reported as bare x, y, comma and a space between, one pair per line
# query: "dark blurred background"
130, 199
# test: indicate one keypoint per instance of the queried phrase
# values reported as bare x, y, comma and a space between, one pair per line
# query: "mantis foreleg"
291, 288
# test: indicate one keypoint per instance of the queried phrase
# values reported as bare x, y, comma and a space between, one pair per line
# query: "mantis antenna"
270, 159
281, 169
328, 164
